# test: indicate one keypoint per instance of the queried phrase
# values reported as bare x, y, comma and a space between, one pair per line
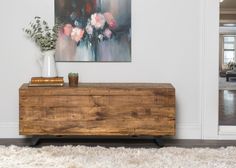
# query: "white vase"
48, 65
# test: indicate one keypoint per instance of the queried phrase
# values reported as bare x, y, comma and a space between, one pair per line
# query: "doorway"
227, 66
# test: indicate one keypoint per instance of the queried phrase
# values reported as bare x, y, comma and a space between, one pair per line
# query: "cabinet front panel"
97, 111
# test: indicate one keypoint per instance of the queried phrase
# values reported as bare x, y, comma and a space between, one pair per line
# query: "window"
229, 43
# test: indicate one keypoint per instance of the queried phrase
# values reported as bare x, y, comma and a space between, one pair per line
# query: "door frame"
209, 74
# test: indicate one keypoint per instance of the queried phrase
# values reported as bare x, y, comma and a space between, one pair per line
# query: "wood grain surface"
98, 109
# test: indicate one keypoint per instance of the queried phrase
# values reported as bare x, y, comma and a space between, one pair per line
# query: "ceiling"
228, 13
228, 4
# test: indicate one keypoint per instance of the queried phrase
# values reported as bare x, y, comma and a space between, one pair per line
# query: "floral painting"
93, 30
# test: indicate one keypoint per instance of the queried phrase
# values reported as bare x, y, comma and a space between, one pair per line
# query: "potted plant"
73, 79
45, 38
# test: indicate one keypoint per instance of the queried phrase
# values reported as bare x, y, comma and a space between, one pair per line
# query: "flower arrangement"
40, 32
98, 27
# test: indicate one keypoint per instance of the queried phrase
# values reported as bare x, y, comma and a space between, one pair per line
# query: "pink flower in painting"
107, 33
98, 20
77, 34
110, 20
67, 29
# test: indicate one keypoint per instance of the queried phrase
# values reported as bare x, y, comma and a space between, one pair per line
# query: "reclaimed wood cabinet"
102, 109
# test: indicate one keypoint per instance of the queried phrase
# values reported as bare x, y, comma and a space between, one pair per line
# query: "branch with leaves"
40, 32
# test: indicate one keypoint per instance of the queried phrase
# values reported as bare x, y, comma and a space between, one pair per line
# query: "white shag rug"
100, 157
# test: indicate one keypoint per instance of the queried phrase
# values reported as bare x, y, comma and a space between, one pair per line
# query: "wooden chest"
103, 109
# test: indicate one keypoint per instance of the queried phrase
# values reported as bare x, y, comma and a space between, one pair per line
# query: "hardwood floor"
227, 107
121, 142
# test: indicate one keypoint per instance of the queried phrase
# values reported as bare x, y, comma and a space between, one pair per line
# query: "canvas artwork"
93, 30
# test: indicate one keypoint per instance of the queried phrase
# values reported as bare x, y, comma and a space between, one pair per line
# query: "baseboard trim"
9, 130
184, 130
227, 132
188, 131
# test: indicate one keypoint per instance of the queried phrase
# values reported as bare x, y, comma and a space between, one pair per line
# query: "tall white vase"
48, 65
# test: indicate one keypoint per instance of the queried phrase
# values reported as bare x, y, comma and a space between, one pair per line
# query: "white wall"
166, 47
